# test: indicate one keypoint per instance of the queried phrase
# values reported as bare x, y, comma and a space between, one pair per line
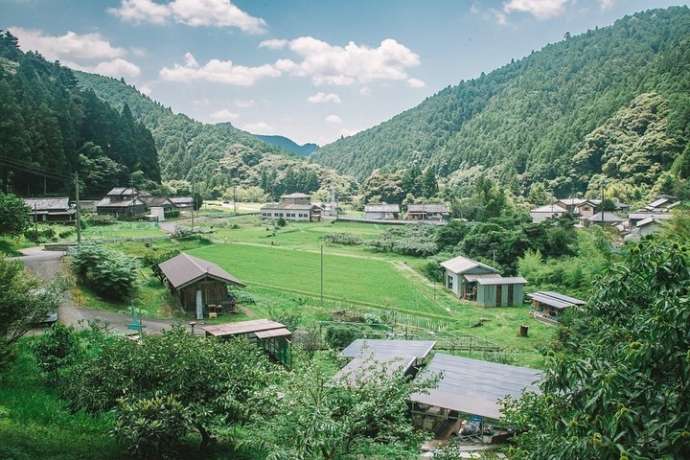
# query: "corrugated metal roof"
383, 207
360, 370
550, 301
385, 349
108, 203
243, 327
181, 199
428, 208
460, 264
496, 280
60, 203
474, 387
659, 202
565, 298
283, 332
184, 269
296, 195
473, 278
549, 208
287, 207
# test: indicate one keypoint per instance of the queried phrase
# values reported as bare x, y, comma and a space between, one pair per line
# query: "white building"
548, 211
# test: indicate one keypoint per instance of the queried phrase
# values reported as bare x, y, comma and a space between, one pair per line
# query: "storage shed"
470, 388
436, 212
472, 280
548, 306
272, 336
382, 211
197, 283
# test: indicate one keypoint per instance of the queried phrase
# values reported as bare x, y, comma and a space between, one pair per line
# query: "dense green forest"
49, 124
609, 107
289, 145
218, 156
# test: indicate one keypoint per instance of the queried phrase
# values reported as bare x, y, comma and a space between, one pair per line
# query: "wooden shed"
548, 306
198, 283
272, 336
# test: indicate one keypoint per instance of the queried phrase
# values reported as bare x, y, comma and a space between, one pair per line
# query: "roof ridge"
191, 259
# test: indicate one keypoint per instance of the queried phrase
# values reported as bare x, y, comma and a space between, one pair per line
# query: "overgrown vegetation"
109, 273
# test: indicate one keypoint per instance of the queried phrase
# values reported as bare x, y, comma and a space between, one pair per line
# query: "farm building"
391, 356
295, 206
472, 280
427, 212
549, 306
182, 202
272, 336
122, 202
200, 286
51, 209
382, 211
549, 211
468, 389
161, 202
296, 198
663, 203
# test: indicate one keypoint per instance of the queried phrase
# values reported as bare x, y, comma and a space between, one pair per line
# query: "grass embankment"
36, 424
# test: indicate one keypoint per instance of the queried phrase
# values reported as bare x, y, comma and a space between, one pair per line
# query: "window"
450, 281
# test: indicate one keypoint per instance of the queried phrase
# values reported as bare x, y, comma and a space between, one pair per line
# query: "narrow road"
47, 265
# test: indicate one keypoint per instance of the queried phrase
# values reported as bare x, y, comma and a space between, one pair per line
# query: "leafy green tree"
15, 215
110, 273
23, 303
429, 184
616, 382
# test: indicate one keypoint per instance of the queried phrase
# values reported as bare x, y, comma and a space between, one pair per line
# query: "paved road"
47, 265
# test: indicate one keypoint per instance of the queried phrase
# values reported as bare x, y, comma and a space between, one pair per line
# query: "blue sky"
310, 70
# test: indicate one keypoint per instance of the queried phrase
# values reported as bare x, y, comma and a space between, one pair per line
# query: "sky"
309, 70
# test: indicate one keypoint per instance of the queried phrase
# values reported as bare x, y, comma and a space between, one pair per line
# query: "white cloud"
274, 43
145, 89
190, 61
415, 83
260, 127
218, 71
116, 68
541, 9
607, 4
365, 91
333, 119
195, 13
69, 46
500, 17
245, 103
223, 115
344, 65
323, 98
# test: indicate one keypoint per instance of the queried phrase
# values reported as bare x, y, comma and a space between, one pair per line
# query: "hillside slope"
214, 156
524, 122
288, 145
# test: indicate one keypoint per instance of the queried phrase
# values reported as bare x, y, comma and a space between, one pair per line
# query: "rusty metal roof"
283, 332
243, 327
184, 269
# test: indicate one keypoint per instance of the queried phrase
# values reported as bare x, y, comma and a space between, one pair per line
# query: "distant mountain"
214, 156
610, 107
289, 145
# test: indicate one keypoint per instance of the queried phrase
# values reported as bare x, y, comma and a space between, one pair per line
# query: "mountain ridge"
287, 144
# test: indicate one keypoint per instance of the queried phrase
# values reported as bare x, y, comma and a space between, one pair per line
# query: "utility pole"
76, 196
322, 274
193, 206
234, 196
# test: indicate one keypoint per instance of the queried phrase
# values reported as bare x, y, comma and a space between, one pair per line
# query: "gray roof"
157, 201
386, 349
288, 206
460, 264
182, 199
474, 387
428, 208
108, 203
496, 280
383, 207
184, 269
296, 195
360, 370
608, 217
48, 204
659, 202
118, 191
573, 201
549, 208
555, 300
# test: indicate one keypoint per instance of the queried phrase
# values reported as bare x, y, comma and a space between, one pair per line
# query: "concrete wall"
285, 214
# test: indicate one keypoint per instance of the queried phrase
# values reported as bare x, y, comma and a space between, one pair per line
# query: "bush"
347, 239
101, 219
151, 428
281, 222
341, 335
39, 234
417, 240
66, 233
54, 349
111, 274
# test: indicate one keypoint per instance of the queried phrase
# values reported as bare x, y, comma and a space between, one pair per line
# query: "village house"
295, 206
604, 218
436, 212
56, 210
548, 211
382, 211
272, 336
200, 286
160, 207
475, 281
123, 202
548, 306
182, 202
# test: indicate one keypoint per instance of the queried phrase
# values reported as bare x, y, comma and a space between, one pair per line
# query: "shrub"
101, 219
348, 239
54, 349
66, 233
341, 335
281, 222
39, 234
151, 428
111, 274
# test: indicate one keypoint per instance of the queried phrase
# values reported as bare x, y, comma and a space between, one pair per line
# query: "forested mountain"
289, 145
610, 107
50, 125
214, 156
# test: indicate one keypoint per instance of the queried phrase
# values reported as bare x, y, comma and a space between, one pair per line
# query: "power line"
32, 170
